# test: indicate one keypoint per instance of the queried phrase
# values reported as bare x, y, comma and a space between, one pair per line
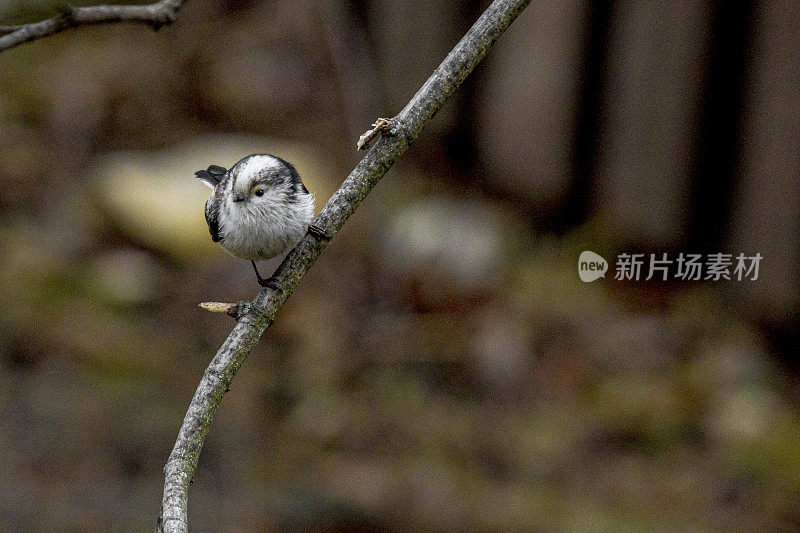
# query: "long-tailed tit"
258, 209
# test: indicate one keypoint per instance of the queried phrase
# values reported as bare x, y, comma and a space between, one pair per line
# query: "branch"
155, 15
395, 139
9, 29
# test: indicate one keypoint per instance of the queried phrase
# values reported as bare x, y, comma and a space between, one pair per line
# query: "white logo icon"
591, 266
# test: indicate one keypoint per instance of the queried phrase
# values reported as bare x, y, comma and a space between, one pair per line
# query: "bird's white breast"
264, 229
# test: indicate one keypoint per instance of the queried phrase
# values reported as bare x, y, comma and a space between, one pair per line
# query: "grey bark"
258, 314
155, 15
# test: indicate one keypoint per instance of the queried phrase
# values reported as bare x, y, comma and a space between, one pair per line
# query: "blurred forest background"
442, 367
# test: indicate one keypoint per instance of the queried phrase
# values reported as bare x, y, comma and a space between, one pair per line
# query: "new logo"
591, 266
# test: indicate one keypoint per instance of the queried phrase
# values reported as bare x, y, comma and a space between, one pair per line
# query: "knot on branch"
164, 15
319, 233
66, 15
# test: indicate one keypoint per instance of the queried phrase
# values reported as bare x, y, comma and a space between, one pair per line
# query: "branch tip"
232, 310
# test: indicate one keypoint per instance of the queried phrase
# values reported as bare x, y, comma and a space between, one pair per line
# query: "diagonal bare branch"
260, 314
155, 15
9, 29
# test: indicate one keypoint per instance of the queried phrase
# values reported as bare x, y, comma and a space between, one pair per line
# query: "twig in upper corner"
154, 15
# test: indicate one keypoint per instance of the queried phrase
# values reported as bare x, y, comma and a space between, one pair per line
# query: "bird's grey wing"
294, 178
303, 186
212, 217
211, 176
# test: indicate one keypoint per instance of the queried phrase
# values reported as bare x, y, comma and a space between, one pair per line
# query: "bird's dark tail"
212, 176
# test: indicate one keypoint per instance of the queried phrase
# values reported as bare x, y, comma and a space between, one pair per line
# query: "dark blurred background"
442, 367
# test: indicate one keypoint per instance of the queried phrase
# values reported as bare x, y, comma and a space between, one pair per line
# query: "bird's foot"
270, 283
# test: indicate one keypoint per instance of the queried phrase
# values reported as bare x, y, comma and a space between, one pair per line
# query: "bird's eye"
259, 192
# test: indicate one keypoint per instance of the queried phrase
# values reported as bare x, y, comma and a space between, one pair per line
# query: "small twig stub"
217, 307
380, 126
233, 310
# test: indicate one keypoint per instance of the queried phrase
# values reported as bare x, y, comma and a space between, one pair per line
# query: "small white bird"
258, 209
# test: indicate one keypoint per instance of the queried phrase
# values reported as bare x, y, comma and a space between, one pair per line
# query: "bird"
258, 209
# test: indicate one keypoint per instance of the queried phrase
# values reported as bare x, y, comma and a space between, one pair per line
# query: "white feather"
258, 163
265, 228
208, 181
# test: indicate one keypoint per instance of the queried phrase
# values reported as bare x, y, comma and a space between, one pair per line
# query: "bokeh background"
442, 367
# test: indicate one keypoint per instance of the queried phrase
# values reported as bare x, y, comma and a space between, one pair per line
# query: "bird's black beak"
238, 197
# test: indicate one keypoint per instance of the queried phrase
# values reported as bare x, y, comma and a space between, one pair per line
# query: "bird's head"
262, 178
